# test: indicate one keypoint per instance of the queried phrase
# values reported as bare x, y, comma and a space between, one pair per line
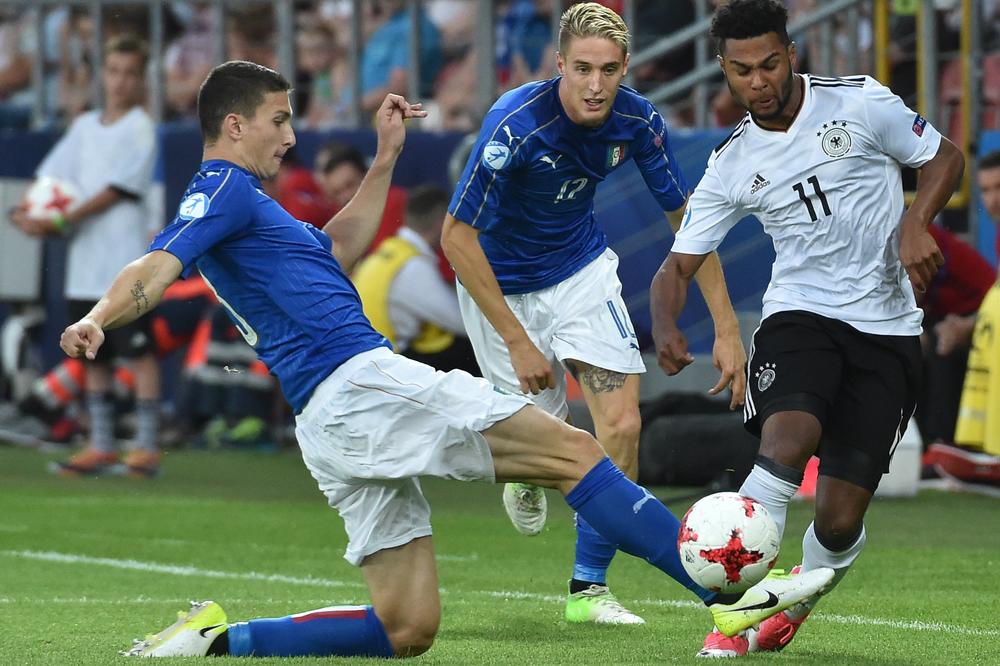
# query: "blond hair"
590, 19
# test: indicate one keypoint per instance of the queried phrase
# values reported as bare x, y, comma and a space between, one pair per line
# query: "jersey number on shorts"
808, 202
570, 188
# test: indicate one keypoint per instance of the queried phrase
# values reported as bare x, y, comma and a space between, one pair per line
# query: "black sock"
577, 585
220, 646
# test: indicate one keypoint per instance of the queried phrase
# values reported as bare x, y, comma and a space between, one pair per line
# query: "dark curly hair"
743, 19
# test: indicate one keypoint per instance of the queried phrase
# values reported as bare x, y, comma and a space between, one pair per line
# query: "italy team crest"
616, 154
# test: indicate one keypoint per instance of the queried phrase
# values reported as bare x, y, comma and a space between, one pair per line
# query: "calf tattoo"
599, 380
139, 294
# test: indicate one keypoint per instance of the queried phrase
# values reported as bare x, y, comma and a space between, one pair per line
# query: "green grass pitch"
88, 564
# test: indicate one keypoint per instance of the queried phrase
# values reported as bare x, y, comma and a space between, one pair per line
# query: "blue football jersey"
529, 184
276, 277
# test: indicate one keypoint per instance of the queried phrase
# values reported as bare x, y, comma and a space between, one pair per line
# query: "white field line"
257, 547
135, 565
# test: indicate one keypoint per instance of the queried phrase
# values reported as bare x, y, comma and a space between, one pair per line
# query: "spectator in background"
978, 428
949, 304
15, 68
189, 59
656, 19
340, 170
297, 190
75, 47
386, 56
988, 179
250, 35
109, 154
404, 294
324, 65
337, 175
525, 50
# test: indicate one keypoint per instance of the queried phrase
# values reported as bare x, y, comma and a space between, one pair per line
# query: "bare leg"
403, 584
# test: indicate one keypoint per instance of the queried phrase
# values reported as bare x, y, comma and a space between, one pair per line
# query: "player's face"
268, 135
989, 185
592, 69
123, 79
341, 183
759, 73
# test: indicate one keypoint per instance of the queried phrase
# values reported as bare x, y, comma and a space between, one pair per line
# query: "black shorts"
862, 387
127, 342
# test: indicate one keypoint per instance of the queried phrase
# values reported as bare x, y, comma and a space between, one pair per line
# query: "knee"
623, 426
837, 533
579, 452
413, 636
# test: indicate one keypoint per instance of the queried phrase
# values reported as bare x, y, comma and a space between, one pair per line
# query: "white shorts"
582, 318
377, 423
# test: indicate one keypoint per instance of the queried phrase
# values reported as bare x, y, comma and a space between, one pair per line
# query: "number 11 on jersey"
808, 202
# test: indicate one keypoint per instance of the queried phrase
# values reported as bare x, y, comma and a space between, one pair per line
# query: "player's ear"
232, 127
722, 63
625, 64
560, 63
793, 56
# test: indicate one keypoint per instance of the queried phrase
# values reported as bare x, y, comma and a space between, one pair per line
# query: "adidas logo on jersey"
759, 183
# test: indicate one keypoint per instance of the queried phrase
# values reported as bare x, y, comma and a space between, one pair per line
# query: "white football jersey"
828, 192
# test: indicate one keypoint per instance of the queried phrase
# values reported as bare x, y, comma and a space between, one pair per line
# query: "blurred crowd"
524, 50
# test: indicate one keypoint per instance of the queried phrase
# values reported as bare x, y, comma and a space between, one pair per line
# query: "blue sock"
593, 554
343, 631
633, 520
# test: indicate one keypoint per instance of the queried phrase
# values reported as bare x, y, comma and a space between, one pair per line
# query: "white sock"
815, 556
771, 491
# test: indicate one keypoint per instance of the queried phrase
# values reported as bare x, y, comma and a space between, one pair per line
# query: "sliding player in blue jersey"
368, 422
539, 287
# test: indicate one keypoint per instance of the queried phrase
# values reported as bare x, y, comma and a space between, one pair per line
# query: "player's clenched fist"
919, 254
83, 338
671, 350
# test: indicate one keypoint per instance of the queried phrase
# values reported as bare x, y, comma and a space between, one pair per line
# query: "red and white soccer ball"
47, 197
728, 542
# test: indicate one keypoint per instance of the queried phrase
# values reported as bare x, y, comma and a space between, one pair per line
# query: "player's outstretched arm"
937, 181
728, 354
354, 227
137, 290
460, 243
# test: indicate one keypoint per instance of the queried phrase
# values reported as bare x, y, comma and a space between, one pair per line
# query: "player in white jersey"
835, 365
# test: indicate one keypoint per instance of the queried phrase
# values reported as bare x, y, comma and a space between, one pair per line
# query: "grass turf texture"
88, 564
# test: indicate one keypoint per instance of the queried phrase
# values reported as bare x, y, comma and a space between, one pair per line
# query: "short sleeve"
658, 166
897, 130
212, 213
708, 218
487, 172
135, 175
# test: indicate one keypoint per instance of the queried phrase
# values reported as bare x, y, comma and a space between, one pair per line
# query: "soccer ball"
727, 542
47, 197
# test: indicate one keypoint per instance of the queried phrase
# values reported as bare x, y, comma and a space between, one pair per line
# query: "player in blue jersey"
539, 286
368, 422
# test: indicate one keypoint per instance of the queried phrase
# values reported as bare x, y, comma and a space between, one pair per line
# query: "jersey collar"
218, 165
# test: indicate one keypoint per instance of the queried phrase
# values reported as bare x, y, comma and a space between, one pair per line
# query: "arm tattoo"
599, 380
139, 294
